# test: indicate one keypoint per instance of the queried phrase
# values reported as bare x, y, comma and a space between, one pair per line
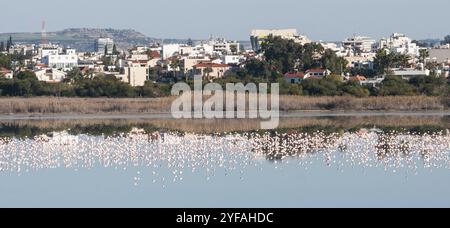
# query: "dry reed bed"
52, 105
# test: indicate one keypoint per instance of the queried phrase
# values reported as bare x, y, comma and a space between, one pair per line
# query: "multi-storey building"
258, 36
104, 43
358, 45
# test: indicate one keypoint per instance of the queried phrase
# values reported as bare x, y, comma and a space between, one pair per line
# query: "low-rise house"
360, 79
212, 70
373, 82
190, 61
360, 62
294, 78
407, 73
318, 73
50, 75
155, 58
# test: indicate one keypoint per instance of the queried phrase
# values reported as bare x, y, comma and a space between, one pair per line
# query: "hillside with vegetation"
83, 39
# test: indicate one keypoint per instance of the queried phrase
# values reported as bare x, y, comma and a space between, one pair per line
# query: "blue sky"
233, 19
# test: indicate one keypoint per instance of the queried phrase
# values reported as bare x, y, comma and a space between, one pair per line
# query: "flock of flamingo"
228, 152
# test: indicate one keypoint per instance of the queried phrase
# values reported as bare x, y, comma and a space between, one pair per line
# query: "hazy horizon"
198, 19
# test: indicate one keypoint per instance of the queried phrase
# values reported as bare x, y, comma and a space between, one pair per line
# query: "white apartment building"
168, 50
222, 46
65, 60
400, 43
233, 59
257, 36
358, 45
49, 49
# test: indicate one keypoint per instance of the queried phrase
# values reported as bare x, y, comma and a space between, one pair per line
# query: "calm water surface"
144, 167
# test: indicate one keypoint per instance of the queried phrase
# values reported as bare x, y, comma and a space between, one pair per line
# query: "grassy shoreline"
54, 105
29, 127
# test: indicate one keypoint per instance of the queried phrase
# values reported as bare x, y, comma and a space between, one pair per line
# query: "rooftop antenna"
43, 34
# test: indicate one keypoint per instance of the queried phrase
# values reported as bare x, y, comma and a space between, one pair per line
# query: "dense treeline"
26, 84
336, 86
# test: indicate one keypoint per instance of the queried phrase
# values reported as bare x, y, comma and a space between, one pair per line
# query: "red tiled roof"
294, 75
358, 78
4, 70
155, 55
212, 65
317, 70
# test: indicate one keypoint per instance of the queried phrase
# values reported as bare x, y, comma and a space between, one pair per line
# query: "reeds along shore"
215, 126
52, 105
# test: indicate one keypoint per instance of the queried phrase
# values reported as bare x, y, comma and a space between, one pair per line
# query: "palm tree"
175, 64
423, 55
207, 71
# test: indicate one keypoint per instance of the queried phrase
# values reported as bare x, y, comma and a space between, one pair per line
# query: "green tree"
419, 43
396, 86
190, 42
74, 76
114, 51
106, 50
26, 75
9, 44
333, 63
353, 88
234, 49
423, 55
283, 55
384, 61
176, 65
207, 71
5, 61
256, 68
2, 46
322, 87
430, 85
446, 40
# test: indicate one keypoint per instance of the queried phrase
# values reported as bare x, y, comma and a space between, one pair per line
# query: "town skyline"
333, 22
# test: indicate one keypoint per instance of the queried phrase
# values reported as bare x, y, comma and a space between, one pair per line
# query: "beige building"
190, 61
212, 70
50, 75
135, 74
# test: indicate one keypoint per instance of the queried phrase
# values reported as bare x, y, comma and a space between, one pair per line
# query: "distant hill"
83, 38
